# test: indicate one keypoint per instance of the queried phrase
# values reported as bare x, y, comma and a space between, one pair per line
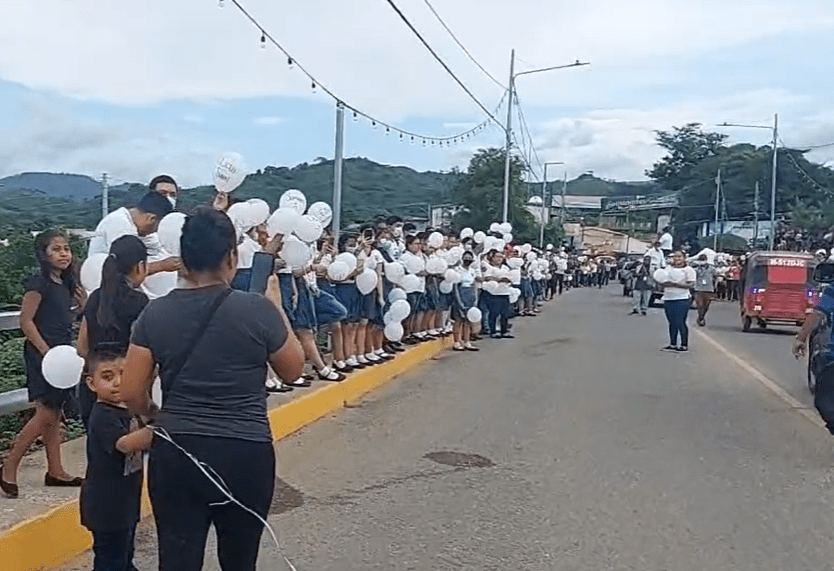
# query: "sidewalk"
41, 529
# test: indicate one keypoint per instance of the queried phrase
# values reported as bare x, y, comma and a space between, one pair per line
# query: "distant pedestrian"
666, 241
643, 285
706, 278
676, 301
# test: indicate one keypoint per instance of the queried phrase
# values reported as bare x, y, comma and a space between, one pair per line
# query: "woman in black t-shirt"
46, 315
112, 309
212, 347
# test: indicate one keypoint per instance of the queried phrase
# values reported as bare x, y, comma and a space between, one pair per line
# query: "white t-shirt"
666, 241
246, 252
686, 274
658, 258
120, 223
491, 271
467, 275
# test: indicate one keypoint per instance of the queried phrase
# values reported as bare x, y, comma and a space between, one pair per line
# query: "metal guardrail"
17, 400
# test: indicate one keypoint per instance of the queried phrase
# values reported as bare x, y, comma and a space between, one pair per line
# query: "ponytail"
125, 254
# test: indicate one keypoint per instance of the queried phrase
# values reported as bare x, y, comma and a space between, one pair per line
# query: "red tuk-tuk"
778, 288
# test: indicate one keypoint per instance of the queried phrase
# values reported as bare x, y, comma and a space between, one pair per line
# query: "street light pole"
509, 127
544, 190
773, 183
775, 130
509, 132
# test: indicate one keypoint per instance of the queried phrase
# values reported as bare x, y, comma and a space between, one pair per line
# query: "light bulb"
263, 40
314, 86
424, 142
290, 62
387, 131
401, 137
220, 3
412, 139
355, 117
373, 124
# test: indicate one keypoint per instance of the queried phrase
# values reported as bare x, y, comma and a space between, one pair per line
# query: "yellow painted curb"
57, 536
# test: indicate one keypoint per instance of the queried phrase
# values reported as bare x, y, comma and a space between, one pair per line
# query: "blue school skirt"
348, 295
303, 315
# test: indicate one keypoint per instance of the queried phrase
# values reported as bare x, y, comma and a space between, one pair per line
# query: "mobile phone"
262, 267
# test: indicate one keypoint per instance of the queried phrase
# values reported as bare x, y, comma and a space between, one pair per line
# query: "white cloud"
268, 121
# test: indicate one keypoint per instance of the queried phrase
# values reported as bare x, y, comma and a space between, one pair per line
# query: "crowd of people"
195, 325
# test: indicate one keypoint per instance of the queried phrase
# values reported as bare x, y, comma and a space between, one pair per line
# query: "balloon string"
220, 484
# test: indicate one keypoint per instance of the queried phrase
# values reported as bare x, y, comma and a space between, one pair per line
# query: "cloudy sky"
141, 87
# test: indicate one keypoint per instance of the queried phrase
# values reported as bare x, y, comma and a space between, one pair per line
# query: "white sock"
379, 352
340, 364
352, 361
325, 371
361, 359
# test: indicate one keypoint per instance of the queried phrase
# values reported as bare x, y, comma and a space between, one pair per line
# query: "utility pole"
564, 191
337, 169
509, 130
756, 215
717, 197
105, 189
773, 182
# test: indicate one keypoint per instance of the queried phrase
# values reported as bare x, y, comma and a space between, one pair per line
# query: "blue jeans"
641, 299
113, 550
499, 311
676, 313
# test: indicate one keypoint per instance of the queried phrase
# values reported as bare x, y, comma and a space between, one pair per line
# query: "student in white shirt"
666, 241
141, 220
676, 301
465, 298
497, 300
417, 298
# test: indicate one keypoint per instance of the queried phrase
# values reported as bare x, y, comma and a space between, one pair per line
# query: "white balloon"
435, 240
452, 276
91, 272
515, 293
338, 271
410, 283
296, 253
370, 263
446, 287
396, 294
515, 262
661, 275
454, 255
515, 276
495, 227
282, 221
322, 212
229, 172
530, 257
508, 238
394, 331
479, 237
388, 318
293, 199
400, 309
309, 229
436, 265
366, 281
466, 233
160, 284
415, 264
474, 315
259, 210
394, 271
62, 367
526, 248
505, 228
347, 258
240, 213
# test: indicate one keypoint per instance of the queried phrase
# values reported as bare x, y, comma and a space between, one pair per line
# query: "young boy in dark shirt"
112, 489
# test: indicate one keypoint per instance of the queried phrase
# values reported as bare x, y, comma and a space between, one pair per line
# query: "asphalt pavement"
579, 445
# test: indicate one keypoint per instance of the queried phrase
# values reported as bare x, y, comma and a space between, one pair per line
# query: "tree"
687, 146
480, 191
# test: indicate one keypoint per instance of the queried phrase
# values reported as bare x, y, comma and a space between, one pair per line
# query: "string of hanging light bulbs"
404, 135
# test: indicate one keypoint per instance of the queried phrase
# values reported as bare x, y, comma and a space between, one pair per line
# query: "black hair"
410, 238
125, 253
163, 178
343, 240
69, 276
466, 241
208, 237
408, 226
153, 203
105, 352
393, 220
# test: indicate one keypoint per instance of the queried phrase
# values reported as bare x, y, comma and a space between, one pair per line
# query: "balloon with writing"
293, 199
322, 212
229, 172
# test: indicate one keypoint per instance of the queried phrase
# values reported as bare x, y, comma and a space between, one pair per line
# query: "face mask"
398, 232
172, 200
467, 262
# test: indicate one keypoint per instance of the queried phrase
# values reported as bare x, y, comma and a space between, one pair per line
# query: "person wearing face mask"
465, 298
705, 279
141, 220
165, 185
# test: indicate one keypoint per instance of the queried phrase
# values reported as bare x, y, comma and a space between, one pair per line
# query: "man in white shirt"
657, 256
141, 220
166, 186
666, 242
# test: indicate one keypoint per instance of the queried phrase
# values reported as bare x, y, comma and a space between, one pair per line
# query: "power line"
442, 63
803, 172
403, 133
461, 46
525, 127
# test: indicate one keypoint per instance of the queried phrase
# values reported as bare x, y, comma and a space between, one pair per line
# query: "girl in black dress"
46, 317
112, 309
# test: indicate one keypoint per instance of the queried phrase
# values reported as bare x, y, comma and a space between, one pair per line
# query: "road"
576, 446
